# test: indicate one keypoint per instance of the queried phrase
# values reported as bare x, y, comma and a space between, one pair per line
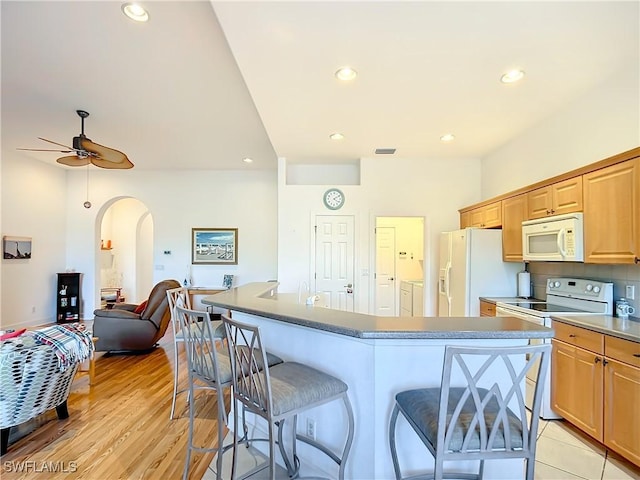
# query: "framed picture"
16, 247
214, 246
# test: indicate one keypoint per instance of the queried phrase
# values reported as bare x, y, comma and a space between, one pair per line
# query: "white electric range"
565, 296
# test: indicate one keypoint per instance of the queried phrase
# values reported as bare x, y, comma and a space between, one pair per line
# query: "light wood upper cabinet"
489, 216
612, 214
465, 219
556, 199
514, 212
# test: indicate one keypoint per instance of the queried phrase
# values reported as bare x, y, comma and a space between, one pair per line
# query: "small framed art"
214, 246
16, 247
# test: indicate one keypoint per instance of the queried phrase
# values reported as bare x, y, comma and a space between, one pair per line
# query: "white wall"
179, 201
601, 123
33, 205
431, 188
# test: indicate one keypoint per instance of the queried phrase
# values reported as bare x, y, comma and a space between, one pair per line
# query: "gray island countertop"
262, 299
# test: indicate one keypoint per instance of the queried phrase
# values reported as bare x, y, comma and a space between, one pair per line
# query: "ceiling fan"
86, 152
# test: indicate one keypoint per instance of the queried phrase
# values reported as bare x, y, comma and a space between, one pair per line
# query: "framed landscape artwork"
214, 246
16, 247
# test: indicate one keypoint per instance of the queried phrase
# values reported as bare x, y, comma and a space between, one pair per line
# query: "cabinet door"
514, 212
487, 309
612, 214
492, 215
476, 217
567, 196
539, 203
577, 387
622, 409
465, 219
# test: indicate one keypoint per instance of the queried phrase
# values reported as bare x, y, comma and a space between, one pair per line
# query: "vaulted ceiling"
203, 85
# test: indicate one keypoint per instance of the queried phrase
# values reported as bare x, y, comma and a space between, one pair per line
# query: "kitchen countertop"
614, 326
262, 299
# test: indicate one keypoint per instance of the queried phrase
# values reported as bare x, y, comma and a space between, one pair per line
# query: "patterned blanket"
71, 342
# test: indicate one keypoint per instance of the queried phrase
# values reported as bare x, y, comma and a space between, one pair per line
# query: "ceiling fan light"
447, 137
135, 12
247, 160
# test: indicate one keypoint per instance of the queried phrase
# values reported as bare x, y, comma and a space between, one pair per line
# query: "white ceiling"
202, 87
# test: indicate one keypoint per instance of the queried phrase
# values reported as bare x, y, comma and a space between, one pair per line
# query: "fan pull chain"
87, 203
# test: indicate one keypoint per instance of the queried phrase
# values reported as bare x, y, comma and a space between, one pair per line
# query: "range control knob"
550, 284
556, 284
589, 287
596, 289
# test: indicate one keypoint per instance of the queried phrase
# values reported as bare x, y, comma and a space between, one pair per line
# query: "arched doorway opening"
126, 248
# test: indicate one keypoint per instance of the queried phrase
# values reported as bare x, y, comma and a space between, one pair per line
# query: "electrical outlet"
311, 428
630, 292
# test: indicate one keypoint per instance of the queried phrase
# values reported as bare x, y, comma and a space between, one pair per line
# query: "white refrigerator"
471, 267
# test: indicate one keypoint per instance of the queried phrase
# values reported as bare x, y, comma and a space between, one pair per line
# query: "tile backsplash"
619, 275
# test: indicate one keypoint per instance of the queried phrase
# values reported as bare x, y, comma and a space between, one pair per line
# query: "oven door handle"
504, 312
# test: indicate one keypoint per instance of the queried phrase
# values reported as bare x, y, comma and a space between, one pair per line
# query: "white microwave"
554, 239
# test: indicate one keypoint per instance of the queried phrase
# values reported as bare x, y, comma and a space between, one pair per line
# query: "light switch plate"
630, 292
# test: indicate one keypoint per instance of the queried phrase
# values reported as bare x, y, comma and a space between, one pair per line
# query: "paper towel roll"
524, 284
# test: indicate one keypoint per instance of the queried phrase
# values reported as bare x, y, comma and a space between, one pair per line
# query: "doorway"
399, 256
126, 252
334, 261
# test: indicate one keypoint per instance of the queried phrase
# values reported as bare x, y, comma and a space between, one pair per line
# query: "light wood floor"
119, 428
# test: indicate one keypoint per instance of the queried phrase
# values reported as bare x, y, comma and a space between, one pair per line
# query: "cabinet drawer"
580, 337
622, 350
487, 309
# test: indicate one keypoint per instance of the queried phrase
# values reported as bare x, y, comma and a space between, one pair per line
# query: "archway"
126, 248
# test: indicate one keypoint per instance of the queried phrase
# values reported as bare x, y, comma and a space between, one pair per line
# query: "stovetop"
543, 307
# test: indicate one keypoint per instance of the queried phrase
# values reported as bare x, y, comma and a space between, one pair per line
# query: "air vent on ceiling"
385, 151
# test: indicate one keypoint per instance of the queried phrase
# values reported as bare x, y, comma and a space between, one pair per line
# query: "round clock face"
333, 199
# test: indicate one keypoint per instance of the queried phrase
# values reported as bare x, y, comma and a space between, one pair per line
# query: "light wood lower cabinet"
622, 409
487, 309
595, 385
576, 386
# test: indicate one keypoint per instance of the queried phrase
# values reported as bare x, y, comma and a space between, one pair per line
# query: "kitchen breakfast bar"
377, 357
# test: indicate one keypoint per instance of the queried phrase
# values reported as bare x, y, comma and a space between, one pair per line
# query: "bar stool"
470, 422
209, 367
278, 393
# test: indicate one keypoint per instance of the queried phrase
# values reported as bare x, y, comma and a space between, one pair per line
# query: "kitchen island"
377, 357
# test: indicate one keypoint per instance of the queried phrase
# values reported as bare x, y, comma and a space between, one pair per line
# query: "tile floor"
564, 453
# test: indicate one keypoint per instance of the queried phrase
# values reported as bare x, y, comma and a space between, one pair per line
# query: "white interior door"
385, 274
334, 261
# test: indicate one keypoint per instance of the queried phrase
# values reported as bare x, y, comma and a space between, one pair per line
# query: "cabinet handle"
605, 361
637, 355
597, 359
572, 335
548, 212
636, 260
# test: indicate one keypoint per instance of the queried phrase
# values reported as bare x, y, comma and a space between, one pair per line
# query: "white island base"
375, 370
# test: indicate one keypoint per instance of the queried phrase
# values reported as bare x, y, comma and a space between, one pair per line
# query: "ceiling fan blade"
104, 153
60, 144
45, 150
74, 161
99, 162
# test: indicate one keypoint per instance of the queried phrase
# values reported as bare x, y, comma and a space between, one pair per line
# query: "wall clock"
333, 199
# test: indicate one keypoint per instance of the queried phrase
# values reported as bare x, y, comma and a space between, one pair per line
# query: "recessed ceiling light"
512, 76
447, 137
135, 12
247, 160
346, 74
336, 136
